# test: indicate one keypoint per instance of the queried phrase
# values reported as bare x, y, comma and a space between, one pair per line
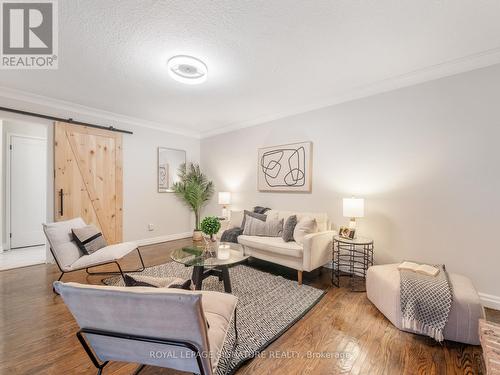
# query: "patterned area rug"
268, 305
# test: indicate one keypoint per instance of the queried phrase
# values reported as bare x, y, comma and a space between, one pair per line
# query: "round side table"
352, 258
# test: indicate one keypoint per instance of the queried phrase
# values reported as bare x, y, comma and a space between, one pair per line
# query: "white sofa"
313, 253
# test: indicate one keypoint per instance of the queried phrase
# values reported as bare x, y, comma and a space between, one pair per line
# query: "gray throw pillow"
256, 227
288, 228
255, 215
88, 239
260, 209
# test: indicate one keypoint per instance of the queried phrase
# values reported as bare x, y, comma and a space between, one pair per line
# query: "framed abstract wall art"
285, 168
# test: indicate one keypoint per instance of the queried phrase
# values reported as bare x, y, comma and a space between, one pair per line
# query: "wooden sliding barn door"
88, 177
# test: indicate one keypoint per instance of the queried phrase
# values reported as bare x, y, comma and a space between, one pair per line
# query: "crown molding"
77, 109
448, 68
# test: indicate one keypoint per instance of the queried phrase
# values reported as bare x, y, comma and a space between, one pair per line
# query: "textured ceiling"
264, 57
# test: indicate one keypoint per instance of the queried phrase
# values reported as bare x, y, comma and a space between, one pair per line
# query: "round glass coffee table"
207, 264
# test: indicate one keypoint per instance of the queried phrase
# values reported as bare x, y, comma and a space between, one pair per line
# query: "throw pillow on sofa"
288, 228
246, 213
260, 209
269, 228
305, 226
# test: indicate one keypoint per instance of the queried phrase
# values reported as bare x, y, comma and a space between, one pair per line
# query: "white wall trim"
62, 105
489, 300
445, 69
165, 238
8, 171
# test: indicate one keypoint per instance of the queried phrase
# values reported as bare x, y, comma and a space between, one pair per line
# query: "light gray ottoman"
382, 289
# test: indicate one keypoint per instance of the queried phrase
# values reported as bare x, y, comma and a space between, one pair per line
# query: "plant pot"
197, 235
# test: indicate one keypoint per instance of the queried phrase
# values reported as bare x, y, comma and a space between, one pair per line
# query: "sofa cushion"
254, 215
273, 245
288, 228
321, 217
260, 209
305, 226
269, 228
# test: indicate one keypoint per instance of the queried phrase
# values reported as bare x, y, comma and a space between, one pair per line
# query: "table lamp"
225, 200
353, 208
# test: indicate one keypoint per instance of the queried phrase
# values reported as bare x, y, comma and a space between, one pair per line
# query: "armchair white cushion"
104, 255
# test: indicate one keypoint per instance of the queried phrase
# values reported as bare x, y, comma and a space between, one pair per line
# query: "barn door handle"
61, 206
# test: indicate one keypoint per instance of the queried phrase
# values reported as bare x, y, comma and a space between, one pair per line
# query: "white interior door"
28, 190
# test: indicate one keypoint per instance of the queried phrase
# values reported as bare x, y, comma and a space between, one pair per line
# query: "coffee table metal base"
200, 273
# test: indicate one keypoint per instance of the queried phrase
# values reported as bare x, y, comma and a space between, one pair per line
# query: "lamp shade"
353, 207
224, 197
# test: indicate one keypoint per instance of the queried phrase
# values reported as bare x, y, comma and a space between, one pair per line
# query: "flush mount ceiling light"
187, 69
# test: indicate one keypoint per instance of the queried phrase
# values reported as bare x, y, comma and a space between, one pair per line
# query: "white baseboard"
167, 237
489, 300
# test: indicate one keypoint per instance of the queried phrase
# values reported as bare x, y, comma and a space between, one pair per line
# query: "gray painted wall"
425, 158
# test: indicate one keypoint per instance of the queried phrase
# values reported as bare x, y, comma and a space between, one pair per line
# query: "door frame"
8, 168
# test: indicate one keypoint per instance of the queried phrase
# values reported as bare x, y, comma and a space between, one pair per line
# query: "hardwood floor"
343, 334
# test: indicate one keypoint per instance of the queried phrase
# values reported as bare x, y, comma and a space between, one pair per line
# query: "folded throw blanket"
425, 302
231, 235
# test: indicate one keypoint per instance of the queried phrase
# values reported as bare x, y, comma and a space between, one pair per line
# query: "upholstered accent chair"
172, 328
69, 258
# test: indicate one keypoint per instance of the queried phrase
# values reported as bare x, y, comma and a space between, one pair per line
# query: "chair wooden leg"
299, 277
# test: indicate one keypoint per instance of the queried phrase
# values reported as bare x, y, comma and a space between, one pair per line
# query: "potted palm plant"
194, 189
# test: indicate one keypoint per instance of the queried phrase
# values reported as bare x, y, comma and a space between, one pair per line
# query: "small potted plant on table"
210, 226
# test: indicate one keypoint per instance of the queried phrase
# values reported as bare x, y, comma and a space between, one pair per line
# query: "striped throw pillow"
88, 239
